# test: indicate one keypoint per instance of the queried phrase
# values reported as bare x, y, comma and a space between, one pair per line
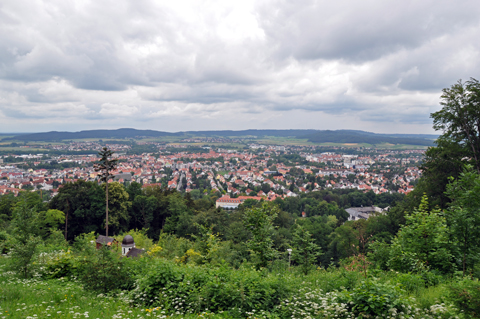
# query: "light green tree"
54, 218
423, 242
305, 251
463, 215
25, 237
207, 242
259, 222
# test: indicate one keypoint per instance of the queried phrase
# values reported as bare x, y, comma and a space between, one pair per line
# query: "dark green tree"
134, 189
7, 204
179, 221
143, 209
104, 271
441, 162
82, 202
345, 240
459, 119
459, 144
265, 188
119, 207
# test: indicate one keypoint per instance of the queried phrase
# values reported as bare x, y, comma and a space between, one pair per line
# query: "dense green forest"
418, 259
59, 136
157, 210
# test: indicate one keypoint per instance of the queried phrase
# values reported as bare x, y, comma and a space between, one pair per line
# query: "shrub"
369, 300
173, 246
167, 284
55, 241
105, 271
431, 278
188, 288
59, 264
84, 244
313, 303
154, 251
412, 283
4, 242
344, 279
466, 296
380, 254
372, 298
23, 254
24, 240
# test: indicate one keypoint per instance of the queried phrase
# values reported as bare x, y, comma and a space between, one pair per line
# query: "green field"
5, 136
273, 140
379, 146
163, 139
172, 140
24, 150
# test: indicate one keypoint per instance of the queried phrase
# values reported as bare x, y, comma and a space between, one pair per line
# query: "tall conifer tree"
105, 166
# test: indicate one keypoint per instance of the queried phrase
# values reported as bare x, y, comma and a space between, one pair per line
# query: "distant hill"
347, 136
132, 133
315, 136
13, 134
58, 136
258, 133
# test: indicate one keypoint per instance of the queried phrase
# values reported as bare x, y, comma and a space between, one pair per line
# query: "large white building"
363, 212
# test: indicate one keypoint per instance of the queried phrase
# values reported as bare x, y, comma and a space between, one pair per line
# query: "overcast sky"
373, 65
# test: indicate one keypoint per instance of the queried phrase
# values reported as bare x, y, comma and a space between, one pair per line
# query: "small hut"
105, 241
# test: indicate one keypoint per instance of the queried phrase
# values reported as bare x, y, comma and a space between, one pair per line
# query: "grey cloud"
206, 93
113, 45
413, 118
81, 47
18, 114
427, 69
360, 30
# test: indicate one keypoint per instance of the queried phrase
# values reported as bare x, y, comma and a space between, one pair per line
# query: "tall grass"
165, 288
63, 298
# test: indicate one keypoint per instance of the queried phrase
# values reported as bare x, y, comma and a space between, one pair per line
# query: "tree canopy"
459, 143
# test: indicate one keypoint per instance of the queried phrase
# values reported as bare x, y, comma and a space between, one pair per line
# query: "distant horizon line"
219, 130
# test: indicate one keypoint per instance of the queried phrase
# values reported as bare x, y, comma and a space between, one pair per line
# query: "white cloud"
116, 110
